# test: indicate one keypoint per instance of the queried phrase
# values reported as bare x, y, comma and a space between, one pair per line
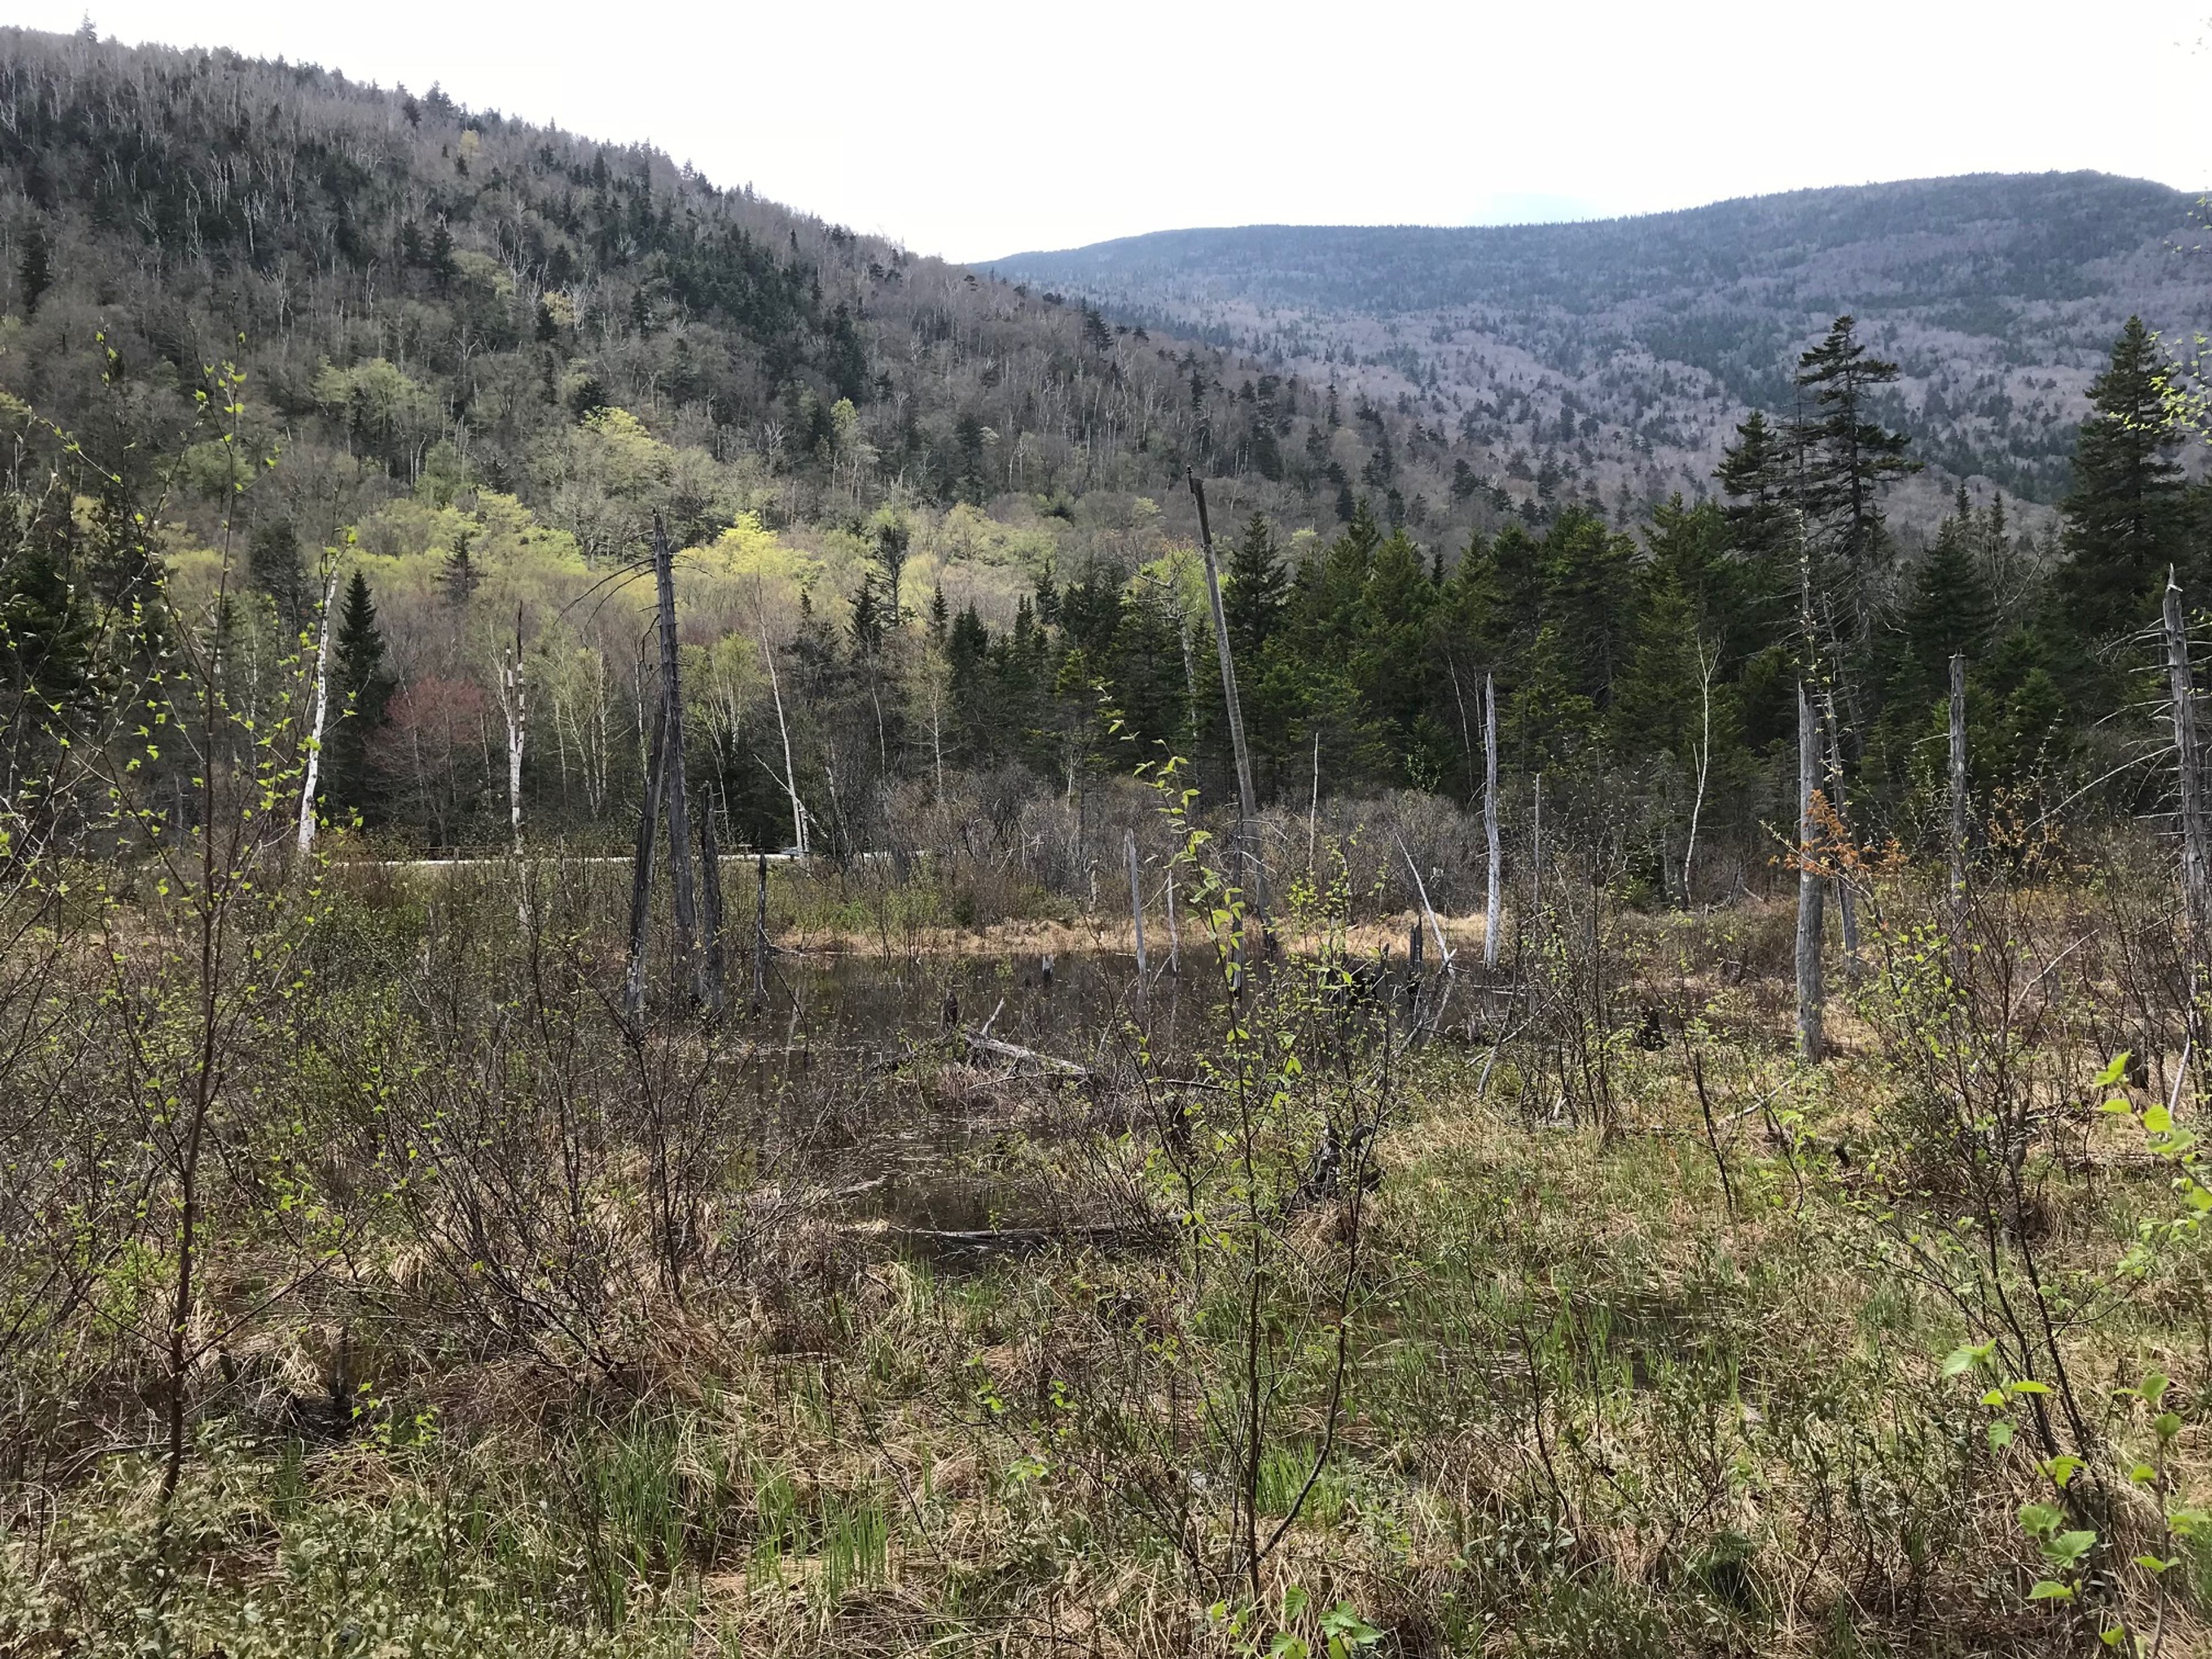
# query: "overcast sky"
989, 127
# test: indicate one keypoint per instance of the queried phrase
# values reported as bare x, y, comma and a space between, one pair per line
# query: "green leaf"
1965, 1358
2114, 1071
2142, 1475
2154, 1384
2048, 1589
2039, 1520
1342, 1624
2030, 1386
1999, 1433
1295, 1601
2070, 1547
2062, 1469
2152, 1564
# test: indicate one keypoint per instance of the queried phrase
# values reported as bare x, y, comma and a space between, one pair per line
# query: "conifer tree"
2124, 517
1255, 591
363, 689
1845, 455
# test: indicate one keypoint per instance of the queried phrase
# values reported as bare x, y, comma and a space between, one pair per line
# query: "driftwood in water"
979, 1042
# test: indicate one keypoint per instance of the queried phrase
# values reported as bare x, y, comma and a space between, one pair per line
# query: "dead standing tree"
1247, 815
664, 787
1810, 881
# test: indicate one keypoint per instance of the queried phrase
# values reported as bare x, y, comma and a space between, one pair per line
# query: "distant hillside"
416, 287
1619, 352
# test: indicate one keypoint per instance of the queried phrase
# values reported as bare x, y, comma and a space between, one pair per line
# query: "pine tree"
2124, 517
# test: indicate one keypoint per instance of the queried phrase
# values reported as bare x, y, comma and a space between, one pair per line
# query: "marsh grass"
605, 1366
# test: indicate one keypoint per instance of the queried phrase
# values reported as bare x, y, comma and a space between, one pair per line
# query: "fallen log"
980, 1043
1025, 1240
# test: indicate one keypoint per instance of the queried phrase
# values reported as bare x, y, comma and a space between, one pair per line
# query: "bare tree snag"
641, 880
1847, 910
1136, 904
679, 810
1175, 947
306, 839
1958, 809
2196, 868
1810, 881
782, 725
760, 940
1708, 661
512, 706
1247, 811
710, 882
1493, 899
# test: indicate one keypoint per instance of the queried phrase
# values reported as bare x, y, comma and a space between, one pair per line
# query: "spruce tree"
362, 688
1255, 590
2123, 516
1845, 455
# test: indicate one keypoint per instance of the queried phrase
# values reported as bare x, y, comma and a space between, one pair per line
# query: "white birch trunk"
314, 766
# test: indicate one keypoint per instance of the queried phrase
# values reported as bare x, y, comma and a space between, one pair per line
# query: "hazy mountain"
1621, 351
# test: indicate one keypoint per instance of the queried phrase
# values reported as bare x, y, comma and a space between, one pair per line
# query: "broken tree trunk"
671, 706
760, 940
1494, 904
710, 885
1958, 813
1247, 811
1013, 1051
511, 705
640, 879
322, 713
1847, 908
2196, 867
1810, 881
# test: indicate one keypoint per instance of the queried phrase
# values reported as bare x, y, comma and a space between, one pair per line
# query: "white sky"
989, 127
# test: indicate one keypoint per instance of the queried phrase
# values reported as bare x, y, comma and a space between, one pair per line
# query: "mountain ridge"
2000, 293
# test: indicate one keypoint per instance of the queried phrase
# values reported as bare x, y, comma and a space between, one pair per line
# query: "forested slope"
1619, 351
